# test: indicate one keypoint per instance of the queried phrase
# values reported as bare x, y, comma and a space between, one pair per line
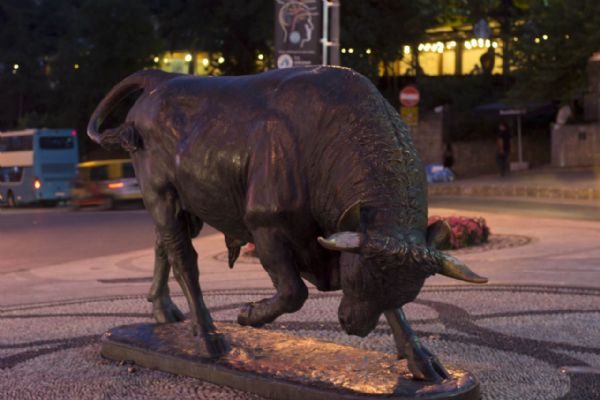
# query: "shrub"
464, 232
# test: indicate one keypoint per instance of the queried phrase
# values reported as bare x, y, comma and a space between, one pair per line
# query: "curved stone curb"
531, 192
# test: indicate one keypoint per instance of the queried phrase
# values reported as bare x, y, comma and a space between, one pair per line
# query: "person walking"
503, 148
448, 156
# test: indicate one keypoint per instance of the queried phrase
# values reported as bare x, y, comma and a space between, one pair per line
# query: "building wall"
474, 157
576, 145
427, 136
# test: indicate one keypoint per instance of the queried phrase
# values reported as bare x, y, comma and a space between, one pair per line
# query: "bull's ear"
438, 233
350, 219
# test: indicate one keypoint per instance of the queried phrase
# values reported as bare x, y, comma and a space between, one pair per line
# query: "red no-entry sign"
409, 96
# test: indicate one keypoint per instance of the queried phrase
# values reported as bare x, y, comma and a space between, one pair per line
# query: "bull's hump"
328, 78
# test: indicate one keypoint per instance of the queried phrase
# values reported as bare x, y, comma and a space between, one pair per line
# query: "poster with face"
298, 32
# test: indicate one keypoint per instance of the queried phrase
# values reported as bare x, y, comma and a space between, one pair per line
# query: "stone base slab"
281, 366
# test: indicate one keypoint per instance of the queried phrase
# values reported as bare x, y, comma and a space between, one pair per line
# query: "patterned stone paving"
522, 342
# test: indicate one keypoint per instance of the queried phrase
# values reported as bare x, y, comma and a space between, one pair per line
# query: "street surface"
34, 237
531, 333
519, 206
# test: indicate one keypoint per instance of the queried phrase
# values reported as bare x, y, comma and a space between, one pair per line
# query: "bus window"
56, 142
128, 171
99, 173
11, 174
16, 143
15, 174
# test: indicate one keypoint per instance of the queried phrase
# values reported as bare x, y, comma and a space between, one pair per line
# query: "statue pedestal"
280, 366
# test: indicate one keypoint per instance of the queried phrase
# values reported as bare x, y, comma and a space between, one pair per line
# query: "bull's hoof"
426, 367
251, 315
165, 311
213, 345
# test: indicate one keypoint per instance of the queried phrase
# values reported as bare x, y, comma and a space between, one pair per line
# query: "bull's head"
381, 271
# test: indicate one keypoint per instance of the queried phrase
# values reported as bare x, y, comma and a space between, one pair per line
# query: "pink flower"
464, 231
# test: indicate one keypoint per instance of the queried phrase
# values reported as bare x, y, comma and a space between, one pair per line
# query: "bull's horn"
342, 241
453, 268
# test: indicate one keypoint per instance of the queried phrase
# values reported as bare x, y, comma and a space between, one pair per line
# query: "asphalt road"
35, 237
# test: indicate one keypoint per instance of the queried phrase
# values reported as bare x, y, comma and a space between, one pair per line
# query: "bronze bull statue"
312, 165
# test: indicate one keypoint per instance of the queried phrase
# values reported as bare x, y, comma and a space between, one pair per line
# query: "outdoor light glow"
452, 44
567, 37
165, 60
156, 59
427, 47
116, 185
421, 46
221, 60
205, 62
516, 39
406, 49
368, 51
16, 66
76, 66
261, 57
350, 50
487, 43
473, 42
344, 51
480, 42
494, 44
37, 184
537, 40
188, 57
545, 37
467, 45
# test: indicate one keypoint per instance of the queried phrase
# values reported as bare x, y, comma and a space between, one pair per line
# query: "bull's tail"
123, 134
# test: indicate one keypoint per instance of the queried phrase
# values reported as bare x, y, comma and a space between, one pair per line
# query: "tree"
553, 49
28, 32
69, 53
105, 42
383, 27
237, 30
509, 15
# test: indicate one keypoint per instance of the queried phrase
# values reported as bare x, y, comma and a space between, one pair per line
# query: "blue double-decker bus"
37, 165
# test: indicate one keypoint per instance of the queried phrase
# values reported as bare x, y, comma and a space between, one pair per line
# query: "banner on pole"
298, 32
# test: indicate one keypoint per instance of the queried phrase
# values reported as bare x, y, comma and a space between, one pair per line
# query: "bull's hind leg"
421, 362
278, 260
163, 308
175, 237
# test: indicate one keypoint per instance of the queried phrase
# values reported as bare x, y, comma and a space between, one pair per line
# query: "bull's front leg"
182, 257
421, 362
277, 259
163, 308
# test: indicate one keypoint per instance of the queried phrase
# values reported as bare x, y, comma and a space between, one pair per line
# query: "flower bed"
465, 232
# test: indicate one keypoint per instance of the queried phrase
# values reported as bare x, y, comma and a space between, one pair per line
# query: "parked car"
438, 173
105, 184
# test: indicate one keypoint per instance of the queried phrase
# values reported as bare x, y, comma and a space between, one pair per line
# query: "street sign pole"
334, 34
331, 33
519, 138
325, 39
409, 98
518, 113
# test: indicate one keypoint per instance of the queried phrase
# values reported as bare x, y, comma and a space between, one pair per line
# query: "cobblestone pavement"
515, 339
532, 333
